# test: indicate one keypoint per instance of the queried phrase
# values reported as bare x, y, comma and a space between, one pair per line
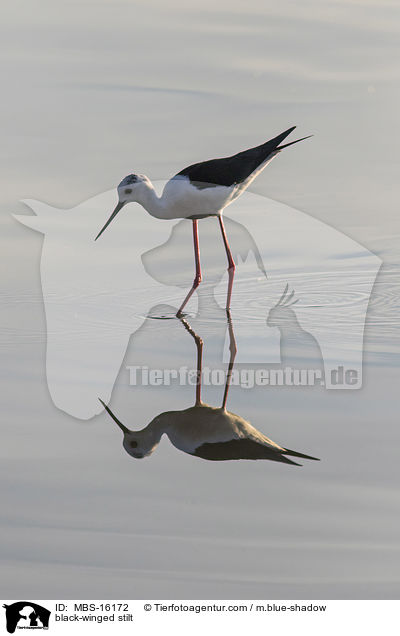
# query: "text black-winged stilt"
200, 190
205, 431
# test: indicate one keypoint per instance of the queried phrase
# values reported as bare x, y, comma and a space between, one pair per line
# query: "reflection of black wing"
230, 171
244, 448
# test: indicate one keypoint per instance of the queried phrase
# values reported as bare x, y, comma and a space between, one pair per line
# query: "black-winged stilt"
205, 431
200, 190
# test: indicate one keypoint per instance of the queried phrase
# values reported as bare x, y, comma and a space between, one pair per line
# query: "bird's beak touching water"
119, 207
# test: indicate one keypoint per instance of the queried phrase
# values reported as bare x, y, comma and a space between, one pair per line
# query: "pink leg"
197, 279
199, 345
233, 352
231, 263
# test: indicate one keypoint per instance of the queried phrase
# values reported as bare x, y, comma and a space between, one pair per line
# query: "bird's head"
138, 444
129, 188
128, 192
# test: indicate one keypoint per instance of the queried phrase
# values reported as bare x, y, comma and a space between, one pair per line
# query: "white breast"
183, 200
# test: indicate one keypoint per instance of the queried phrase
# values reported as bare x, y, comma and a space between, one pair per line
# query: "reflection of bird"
201, 190
296, 345
205, 431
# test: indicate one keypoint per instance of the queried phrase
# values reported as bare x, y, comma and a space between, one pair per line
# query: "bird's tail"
293, 142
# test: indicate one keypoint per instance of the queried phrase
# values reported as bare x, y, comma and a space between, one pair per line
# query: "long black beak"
119, 207
116, 420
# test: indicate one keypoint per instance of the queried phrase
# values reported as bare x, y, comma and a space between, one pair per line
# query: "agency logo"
26, 615
300, 294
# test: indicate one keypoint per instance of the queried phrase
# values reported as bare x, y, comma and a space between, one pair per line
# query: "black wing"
230, 171
244, 448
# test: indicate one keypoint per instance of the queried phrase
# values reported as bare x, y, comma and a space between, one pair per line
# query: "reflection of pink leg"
199, 345
233, 352
231, 263
197, 279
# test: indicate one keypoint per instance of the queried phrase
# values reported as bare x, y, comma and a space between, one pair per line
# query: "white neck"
147, 197
155, 430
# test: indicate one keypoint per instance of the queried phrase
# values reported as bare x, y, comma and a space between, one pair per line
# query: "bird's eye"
133, 444
128, 191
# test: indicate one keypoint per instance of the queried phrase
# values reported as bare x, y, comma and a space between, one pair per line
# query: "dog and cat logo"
26, 615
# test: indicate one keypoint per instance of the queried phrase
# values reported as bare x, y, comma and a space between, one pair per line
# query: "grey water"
96, 90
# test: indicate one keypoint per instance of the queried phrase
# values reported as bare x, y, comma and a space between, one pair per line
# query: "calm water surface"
96, 90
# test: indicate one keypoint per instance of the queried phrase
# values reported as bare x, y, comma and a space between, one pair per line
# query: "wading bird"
205, 431
200, 190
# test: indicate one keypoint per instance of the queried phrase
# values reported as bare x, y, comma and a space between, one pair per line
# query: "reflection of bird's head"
138, 444
178, 252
